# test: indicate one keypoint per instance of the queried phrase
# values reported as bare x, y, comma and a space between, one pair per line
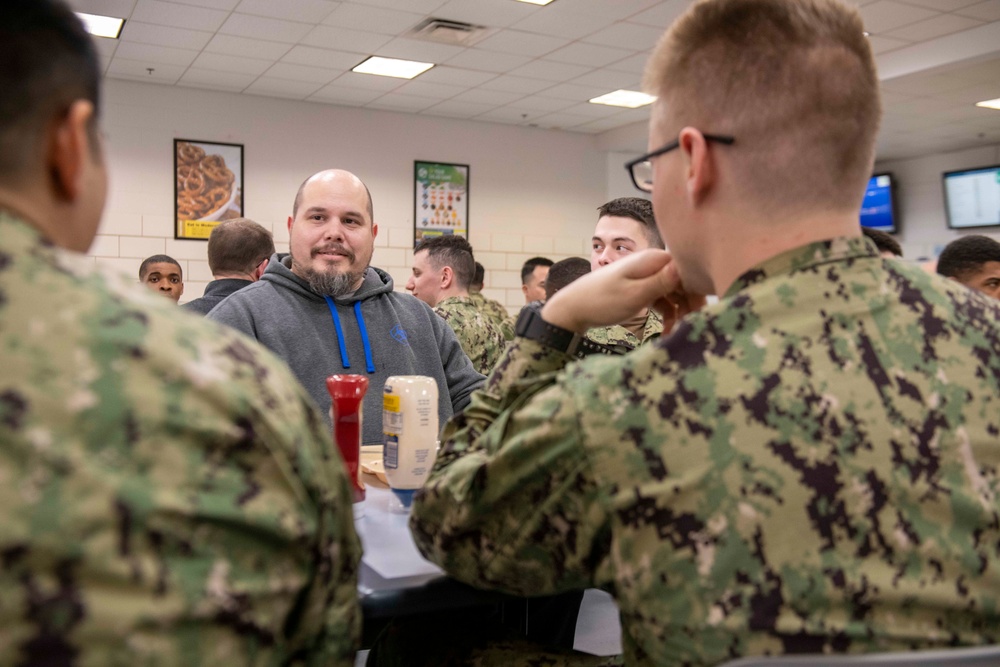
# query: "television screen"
878, 210
972, 197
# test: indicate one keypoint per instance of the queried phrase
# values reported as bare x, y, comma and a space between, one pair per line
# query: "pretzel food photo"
205, 185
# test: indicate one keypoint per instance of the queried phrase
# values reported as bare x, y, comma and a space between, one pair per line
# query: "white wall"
532, 191
920, 198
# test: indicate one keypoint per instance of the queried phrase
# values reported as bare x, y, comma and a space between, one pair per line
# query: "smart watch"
531, 326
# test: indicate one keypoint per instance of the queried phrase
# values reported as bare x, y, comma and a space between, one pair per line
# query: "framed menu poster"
208, 186
440, 199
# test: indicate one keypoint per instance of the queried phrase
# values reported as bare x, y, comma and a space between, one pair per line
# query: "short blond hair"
793, 81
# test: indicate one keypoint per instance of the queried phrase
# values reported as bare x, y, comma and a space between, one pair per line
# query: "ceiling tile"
226, 63
257, 27
345, 95
637, 37
151, 53
205, 78
305, 11
608, 79
224, 5
487, 61
598, 126
421, 88
516, 84
571, 91
138, 69
415, 49
882, 44
303, 73
561, 120
662, 15
985, 11
160, 35
942, 5
594, 55
244, 46
486, 12
427, 6
493, 97
178, 16
372, 19
119, 8
886, 15
398, 102
344, 39
521, 43
562, 20
106, 47
456, 76
456, 109
282, 88
310, 55
979, 72
616, 10
543, 69
369, 81
634, 65
510, 115
593, 110
539, 103
938, 26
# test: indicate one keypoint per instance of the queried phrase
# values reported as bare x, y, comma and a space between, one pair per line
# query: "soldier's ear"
447, 277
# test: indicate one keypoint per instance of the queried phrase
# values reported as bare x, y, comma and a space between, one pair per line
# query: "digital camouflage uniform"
480, 337
496, 311
810, 465
170, 495
618, 336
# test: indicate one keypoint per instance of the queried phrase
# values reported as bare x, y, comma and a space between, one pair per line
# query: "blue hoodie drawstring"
369, 362
345, 362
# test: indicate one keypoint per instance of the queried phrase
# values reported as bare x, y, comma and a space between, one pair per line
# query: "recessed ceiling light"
990, 104
401, 69
536, 2
101, 26
624, 98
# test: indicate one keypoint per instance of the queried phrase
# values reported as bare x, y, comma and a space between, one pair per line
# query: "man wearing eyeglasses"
811, 465
238, 253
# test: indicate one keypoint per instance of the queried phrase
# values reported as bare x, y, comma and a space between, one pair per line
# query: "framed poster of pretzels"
208, 186
440, 199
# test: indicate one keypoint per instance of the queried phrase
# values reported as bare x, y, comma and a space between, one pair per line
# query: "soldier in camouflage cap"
811, 465
170, 494
625, 226
443, 267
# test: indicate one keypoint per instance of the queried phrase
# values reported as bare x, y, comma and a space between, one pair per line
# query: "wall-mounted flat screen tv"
878, 210
972, 197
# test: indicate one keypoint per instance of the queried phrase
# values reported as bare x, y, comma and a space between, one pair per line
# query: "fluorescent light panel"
400, 69
102, 26
624, 98
990, 104
536, 2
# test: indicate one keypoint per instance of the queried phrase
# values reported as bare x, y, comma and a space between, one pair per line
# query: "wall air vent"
444, 31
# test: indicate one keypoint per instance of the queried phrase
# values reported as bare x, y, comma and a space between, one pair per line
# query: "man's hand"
620, 290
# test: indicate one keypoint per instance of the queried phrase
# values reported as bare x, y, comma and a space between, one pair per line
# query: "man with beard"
324, 310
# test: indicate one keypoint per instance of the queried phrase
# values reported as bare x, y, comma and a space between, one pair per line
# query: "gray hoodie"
374, 332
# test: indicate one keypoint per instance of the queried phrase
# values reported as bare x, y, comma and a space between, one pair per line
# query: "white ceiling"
537, 66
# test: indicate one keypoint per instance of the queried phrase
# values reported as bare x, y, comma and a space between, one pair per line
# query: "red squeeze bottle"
347, 393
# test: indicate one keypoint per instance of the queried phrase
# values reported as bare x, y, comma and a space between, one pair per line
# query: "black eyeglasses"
641, 168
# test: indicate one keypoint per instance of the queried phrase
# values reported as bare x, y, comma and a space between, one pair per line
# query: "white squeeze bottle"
410, 432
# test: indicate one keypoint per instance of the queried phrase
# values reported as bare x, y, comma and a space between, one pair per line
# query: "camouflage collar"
19, 235
806, 257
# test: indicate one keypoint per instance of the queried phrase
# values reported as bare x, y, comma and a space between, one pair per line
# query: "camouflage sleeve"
462, 378
511, 502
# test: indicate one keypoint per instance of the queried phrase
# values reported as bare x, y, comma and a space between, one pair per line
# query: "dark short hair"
298, 199
564, 272
158, 259
238, 246
967, 255
638, 209
450, 250
479, 276
47, 62
884, 242
529, 267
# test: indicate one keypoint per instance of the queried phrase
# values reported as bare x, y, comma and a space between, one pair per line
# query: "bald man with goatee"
324, 309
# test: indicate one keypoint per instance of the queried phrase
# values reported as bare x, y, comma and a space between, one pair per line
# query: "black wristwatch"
530, 325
